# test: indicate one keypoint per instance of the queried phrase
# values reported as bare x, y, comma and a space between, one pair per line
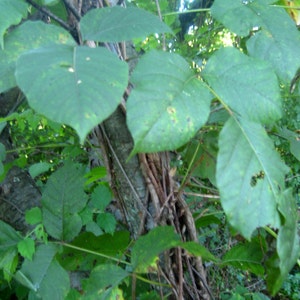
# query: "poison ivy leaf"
247, 256
62, 200
277, 39
287, 242
44, 275
116, 24
101, 197
250, 176
147, 247
61, 82
239, 16
33, 216
107, 222
247, 85
39, 168
11, 13
26, 248
168, 104
103, 281
28, 36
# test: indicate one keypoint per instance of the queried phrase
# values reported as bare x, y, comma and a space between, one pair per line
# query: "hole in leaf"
256, 177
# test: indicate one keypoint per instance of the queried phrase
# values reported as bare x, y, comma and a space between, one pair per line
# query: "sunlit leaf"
168, 104
250, 176
116, 24
61, 82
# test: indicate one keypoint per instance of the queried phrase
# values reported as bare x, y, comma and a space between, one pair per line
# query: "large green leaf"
168, 104
62, 200
247, 85
28, 36
44, 275
78, 86
287, 242
116, 24
250, 176
11, 13
277, 39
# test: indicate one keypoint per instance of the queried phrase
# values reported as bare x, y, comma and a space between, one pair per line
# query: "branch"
49, 14
73, 9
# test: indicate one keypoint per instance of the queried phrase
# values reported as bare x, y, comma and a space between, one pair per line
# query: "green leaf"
95, 174
247, 85
147, 247
277, 39
198, 250
28, 36
287, 242
103, 279
26, 248
33, 216
247, 256
39, 168
239, 16
43, 74
9, 238
8, 263
107, 222
294, 148
44, 275
11, 13
168, 104
116, 24
101, 197
250, 176
62, 200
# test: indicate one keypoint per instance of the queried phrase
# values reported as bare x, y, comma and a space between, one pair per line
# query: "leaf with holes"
250, 176
168, 104
116, 24
61, 82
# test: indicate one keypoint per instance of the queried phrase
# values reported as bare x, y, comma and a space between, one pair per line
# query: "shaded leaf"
101, 197
62, 200
44, 275
250, 176
247, 85
2, 157
9, 238
168, 104
198, 250
147, 247
28, 36
246, 257
103, 280
11, 13
116, 24
39, 168
287, 242
91, 95
107, 222
8, 263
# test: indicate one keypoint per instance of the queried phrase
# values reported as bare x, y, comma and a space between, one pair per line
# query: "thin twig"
160, 16
49, 14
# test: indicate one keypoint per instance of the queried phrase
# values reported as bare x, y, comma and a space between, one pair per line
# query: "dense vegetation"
167, 166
